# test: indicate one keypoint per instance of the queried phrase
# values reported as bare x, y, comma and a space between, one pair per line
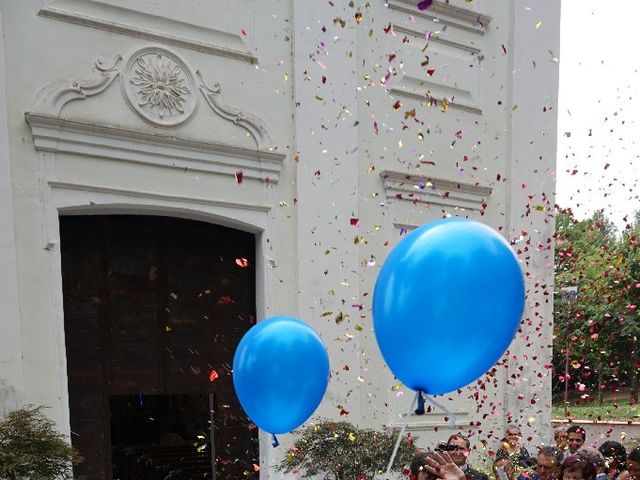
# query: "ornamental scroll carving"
158, 86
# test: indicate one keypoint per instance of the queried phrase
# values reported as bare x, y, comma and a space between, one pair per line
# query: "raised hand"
441, 464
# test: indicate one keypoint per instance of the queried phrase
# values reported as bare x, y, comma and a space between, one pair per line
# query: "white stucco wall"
309, 74
11, 379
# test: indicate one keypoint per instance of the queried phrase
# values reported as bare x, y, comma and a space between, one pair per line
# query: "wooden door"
155, 306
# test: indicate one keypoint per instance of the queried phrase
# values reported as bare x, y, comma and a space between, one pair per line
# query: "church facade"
174, 171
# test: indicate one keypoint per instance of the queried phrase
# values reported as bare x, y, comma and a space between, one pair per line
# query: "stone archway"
153, 309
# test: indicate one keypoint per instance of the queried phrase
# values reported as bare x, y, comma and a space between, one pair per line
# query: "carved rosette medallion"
159, 87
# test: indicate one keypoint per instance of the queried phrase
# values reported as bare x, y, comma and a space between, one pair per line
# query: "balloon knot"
420, 409
274, 440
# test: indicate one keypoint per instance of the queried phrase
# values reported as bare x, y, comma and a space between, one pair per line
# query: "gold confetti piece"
444, 106
396, 387
327, 313
358, 17
538, 24
400, 144
341, 317
352, 437
358, 327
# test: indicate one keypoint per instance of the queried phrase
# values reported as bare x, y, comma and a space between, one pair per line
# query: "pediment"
159, 88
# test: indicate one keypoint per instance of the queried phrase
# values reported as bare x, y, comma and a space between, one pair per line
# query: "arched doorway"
153, 310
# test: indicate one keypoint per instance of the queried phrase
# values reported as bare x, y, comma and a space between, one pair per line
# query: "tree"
345, 452
587, 261
31, 448
629, 282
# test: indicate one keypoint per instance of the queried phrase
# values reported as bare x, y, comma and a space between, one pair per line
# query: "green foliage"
344, 452
597, 327
609, 410
31, 448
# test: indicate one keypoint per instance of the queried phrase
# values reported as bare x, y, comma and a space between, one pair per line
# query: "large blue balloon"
447, 303
280, 373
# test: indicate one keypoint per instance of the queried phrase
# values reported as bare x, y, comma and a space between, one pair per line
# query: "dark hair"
553, 452
634, 455
593, 455
579, 462
461, 437
612, 450
418, 462
577, 429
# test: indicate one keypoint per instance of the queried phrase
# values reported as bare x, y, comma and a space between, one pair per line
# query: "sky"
599, 109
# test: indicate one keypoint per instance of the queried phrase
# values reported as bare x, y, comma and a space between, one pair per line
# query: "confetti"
242, 262
424, 4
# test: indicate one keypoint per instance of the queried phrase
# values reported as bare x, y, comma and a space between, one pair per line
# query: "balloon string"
451, 416
274, 440
401, 434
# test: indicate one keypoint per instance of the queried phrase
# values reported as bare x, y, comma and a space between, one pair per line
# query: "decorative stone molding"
460, 418
412, 88
159, 87
437, 191
446, 14
104, 15
52, 98
254, 125
54, 134
453, 49
124, 192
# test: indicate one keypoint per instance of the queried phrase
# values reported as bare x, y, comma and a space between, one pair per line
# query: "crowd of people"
568, 459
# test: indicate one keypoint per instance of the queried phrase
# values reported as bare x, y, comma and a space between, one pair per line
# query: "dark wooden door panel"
154, 306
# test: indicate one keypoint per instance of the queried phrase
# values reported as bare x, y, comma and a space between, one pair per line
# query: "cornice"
56, 134
438, 191
446, 14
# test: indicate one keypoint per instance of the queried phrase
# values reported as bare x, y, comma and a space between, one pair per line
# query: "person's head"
513, 435
548, 463
560, 437
615, 456
506, 466
576, 436
577, 467
418, 466
633, 464
459, 448
594, 456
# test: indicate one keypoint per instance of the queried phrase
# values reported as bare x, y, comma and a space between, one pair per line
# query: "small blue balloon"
447, 303
280, 373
